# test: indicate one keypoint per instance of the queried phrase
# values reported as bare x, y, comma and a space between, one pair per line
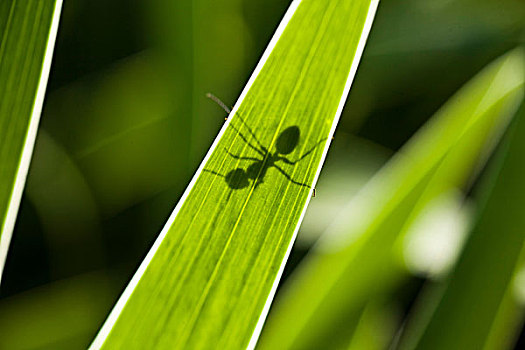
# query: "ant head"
237, 179
288, 140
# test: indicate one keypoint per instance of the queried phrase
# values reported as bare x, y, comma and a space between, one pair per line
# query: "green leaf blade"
208, 280
28, 32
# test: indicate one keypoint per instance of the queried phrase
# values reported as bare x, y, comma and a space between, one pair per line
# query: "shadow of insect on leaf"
254, 173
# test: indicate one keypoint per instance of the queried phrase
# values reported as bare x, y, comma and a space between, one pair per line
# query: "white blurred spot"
435, 239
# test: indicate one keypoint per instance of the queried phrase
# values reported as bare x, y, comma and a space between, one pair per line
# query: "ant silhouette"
254, 174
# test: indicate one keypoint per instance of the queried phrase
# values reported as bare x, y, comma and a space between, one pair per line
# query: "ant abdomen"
288, 140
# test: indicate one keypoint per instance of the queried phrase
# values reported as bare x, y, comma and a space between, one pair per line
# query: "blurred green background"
126, 123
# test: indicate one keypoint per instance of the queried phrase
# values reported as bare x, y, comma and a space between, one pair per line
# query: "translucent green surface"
208, 278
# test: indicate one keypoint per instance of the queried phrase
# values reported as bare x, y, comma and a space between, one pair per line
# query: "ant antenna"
228, 110
218, 101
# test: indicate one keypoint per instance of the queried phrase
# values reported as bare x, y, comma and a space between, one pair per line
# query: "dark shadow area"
254, 172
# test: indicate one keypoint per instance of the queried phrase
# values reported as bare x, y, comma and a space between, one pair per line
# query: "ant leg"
289, 177
260, 152
213, 172
241, 157
293, 162
287, 161
250, 131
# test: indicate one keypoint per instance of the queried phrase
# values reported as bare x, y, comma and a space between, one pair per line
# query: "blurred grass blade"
376, 327
509, 319
359, 256
209, 279
475, 298
27, 32
47, 317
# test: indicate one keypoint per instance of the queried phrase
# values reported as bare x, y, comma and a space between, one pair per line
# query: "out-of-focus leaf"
27, 33
420, 51
358, 257
375, 328
350, 164
475, 299
123, 136
205, 43
209, 279
64, 314
66, 210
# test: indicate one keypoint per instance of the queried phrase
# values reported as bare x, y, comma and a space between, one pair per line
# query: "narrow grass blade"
358, 257
209, 279
27, 33
476, 296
